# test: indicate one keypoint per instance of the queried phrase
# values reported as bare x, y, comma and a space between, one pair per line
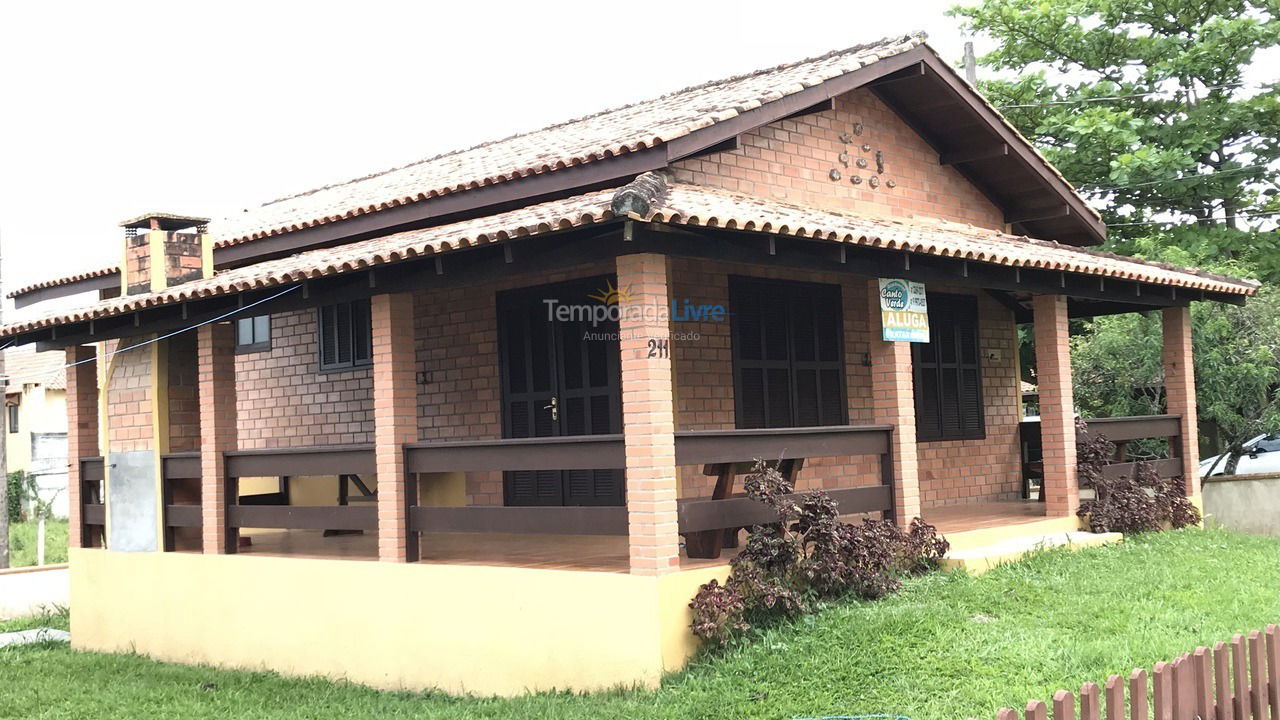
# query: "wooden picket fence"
1239, 680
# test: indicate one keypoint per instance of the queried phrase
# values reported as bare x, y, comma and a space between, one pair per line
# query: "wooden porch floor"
983, 515
601, 553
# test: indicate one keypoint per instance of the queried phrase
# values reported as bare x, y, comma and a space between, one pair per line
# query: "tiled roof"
27, 366
89, 275
576, 142
672, 203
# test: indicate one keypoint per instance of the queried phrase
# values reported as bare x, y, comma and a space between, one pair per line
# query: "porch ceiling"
930, 250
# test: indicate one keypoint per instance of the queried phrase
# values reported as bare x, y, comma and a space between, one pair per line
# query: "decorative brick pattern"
648, 416
792, 160
216, 344
893, 403
1180, 389
395, 396
285, 401
129, 398
82, 428
1057, 404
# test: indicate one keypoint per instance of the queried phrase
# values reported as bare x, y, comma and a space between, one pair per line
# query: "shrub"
1142, 503
17, 487
809, 555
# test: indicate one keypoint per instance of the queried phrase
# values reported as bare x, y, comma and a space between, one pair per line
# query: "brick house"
519, 380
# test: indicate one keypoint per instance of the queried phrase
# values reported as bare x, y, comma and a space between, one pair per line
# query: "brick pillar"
82, 432
1057, 405
648, 415
1180, 390
395, 418
893, 403
217, 377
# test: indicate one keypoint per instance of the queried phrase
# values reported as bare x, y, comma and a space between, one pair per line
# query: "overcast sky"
114, 109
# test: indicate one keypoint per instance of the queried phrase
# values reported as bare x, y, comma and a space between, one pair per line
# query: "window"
948, 372
12, 417
345, 336
788, 368
253, 334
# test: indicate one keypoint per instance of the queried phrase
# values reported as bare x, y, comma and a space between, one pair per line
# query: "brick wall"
959, 471
128, 383
184, 393
457, 347
137, 264
284, 400
792, 160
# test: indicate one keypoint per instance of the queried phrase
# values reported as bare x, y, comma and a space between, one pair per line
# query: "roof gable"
621, 143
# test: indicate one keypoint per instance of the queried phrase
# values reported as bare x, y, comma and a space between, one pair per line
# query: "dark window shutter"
345, 335
948, 372
787, 359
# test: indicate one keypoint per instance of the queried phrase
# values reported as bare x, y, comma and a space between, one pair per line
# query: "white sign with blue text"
904, 313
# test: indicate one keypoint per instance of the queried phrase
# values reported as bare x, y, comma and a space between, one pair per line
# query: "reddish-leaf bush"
1142, 503
809, 555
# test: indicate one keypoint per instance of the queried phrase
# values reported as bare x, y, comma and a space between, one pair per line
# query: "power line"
1168, 222
1184, 177
1108, 98
144, 343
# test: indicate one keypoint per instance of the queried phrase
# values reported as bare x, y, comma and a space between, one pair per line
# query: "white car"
1261, 455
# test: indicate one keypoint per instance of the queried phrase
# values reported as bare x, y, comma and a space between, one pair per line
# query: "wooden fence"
1239, 680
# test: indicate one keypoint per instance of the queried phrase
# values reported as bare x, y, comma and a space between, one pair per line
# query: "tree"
1146, 105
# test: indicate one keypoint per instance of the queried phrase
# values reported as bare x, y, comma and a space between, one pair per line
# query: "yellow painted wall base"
970, 539
461, 629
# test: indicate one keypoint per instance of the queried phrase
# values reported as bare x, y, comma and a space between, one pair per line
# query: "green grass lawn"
22, 543
947, 646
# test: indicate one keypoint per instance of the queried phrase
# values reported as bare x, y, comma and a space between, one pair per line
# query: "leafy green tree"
1126, 96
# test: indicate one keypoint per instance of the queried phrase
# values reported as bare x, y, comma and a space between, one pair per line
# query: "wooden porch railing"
93, 513
1239, 680
695, 515
1122, 430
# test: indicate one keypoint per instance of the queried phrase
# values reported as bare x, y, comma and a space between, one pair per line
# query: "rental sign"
904, 315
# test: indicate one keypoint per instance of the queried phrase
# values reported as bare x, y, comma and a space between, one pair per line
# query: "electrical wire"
1168, 222
144, 343
1109, 98
1177, 179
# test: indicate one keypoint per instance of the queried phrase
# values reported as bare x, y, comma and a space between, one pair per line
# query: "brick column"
395, 419
216, 344
82, 432
648, 415
893, 403
1057, 405
1180, 389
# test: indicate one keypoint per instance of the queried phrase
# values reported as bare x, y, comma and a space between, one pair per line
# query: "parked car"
1257, 456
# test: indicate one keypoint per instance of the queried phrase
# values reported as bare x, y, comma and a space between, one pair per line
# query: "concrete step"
977, 559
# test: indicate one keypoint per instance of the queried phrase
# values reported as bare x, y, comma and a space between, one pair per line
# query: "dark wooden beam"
1040, 213
1021, 314
913, 72
976, 152
820, 106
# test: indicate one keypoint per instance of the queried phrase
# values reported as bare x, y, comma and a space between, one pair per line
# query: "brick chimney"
157, 255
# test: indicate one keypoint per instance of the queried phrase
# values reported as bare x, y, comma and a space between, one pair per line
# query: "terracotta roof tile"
576, 142
671, 203
27, 366
89, 275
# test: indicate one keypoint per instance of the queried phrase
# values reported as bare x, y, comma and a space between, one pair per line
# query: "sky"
114, 109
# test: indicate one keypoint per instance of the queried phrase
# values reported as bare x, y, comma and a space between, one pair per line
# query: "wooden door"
559, 377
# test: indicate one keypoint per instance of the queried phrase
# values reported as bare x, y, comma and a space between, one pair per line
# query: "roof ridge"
919, 35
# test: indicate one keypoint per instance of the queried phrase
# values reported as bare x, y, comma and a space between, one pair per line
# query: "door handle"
554, 407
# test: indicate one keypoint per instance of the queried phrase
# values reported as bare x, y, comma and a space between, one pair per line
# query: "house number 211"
659, 347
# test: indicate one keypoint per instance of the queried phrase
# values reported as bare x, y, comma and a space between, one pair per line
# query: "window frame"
789, 289
257, 344
938, 318
364, 307
13, 416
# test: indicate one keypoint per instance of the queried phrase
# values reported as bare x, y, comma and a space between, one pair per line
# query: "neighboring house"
36, 421
474, 423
